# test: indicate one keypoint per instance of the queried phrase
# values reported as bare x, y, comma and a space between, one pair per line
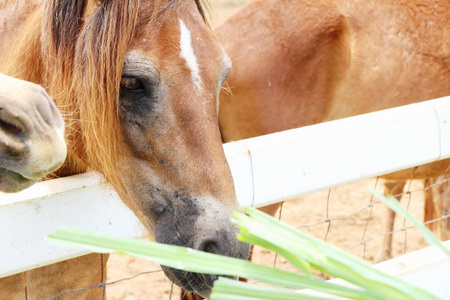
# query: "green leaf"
337, 263
227, 289
303, 251
197, 261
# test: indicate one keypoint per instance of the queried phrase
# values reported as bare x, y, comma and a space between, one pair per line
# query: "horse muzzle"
32, 141
200, 224
12, 182
192, 282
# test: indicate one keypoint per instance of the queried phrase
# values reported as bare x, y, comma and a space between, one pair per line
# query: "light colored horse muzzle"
32, 141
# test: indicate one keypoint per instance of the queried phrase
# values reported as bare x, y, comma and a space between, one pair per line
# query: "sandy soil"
348, 207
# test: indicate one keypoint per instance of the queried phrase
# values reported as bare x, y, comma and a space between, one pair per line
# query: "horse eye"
131, 83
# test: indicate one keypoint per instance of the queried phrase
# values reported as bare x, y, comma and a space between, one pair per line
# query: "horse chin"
13, 182
200, 284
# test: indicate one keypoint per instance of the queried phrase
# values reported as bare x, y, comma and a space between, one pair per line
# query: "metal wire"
445, 217
101, 285
279, 219
368, 218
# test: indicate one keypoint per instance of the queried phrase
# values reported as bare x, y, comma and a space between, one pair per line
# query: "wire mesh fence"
350, 218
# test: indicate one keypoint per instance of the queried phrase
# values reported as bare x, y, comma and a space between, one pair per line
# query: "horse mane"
84, 58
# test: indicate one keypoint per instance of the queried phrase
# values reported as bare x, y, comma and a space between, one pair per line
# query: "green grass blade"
296, 261
269, 237
428, 235
197, 261
226, 289
302, 250
338, 263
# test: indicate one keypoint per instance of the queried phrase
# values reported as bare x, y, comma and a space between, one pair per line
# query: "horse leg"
429, 208
391, 188
436, 205
271, 210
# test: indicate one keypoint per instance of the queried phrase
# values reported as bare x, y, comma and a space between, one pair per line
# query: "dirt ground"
348, 207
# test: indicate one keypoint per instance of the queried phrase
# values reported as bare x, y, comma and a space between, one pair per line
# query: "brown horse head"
143, 78
31, 134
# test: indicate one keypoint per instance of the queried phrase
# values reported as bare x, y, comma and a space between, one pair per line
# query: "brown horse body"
31, 134
298, 63
140, 82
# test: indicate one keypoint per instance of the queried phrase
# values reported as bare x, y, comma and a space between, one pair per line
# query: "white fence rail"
266, 169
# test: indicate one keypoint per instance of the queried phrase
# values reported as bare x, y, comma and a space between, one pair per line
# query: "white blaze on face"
187, 52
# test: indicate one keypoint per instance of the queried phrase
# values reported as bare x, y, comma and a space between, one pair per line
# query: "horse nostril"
210, 246
10, 128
